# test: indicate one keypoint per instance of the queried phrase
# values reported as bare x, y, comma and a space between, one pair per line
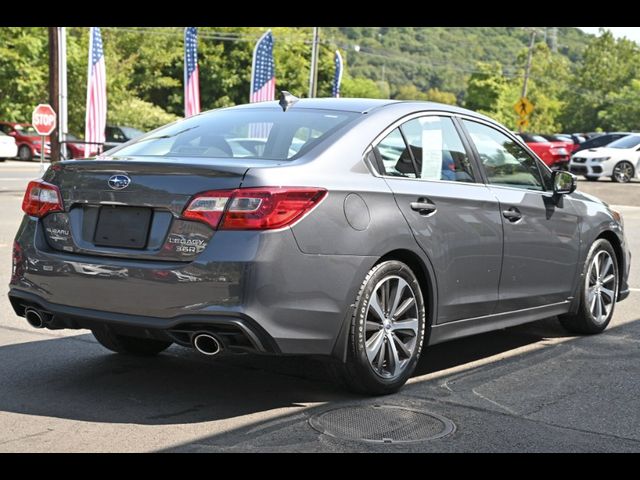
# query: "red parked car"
27, 139
74, 150
568, 141
554, 154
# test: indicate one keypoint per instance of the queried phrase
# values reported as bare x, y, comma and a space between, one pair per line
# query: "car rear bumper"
258, 282
239, 332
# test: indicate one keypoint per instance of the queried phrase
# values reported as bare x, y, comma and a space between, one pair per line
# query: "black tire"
358, 373
584, 321
131, 345
592, 179
25, 153
623, 172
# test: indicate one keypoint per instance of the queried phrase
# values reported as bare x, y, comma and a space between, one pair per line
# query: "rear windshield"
630, 141
256, 133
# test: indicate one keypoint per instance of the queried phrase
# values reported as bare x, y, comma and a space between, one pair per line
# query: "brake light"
208, 207
263, 208
41, 198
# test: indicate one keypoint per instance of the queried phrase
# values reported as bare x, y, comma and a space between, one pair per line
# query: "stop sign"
44, 119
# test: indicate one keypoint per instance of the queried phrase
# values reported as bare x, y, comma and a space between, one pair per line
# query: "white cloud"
632, 33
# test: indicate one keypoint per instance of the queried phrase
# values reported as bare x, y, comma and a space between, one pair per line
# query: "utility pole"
554, 39
63, 127
54, 82
528, 69
313, 74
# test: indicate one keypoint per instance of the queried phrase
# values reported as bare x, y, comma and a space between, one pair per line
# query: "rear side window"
395, 156
433, 151
269, 134
437, 149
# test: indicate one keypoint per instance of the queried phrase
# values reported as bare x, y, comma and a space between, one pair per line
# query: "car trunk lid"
131, 208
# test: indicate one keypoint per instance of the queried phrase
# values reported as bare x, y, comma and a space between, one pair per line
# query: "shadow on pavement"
75, 378
580, 395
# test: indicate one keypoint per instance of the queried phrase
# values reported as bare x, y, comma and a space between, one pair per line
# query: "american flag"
191, 72
337, 78
263, 75
96, 118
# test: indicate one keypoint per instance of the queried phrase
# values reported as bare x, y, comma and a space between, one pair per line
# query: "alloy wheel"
391, 324
623, 172
601, 284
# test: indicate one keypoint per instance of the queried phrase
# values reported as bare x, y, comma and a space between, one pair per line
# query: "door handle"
513, 214
423, 207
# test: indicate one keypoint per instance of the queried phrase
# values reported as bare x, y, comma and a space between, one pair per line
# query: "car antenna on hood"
286, 100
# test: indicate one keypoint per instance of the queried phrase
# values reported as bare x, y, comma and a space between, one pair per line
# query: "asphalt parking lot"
528, 388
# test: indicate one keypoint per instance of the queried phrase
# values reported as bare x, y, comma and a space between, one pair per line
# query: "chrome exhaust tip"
34, 317
207, 344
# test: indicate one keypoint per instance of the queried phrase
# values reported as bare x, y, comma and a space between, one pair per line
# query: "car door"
455, 219
541, 230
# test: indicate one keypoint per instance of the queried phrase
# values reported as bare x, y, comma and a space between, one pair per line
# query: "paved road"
529, 388
15, 175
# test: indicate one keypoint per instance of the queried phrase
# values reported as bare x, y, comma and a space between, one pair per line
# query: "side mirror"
564, 183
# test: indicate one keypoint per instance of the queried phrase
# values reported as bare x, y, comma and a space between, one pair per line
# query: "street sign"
44, 119
523, 107
522, 123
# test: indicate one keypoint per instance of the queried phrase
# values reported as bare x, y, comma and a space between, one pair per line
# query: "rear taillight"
263, 208
41, 198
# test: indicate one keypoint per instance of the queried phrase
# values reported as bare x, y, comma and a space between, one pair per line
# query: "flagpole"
184, 68
87, 147
313, 73
62, 92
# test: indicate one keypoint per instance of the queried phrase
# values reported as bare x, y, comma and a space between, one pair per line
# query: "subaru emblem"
118, 182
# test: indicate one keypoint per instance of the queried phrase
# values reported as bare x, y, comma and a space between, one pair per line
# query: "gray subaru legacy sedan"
358, 230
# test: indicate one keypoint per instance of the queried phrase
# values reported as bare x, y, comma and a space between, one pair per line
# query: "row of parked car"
596, 155
22, 141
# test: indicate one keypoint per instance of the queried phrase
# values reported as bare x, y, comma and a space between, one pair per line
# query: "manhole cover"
381, 423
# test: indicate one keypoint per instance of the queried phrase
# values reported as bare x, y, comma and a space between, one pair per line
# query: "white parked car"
8, 147
618, 160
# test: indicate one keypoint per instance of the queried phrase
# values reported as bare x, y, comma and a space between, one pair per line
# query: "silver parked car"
360, 230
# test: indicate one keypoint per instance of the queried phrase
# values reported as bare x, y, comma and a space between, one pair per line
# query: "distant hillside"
440, 57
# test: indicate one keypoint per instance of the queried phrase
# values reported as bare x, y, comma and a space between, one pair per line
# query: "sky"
632, 33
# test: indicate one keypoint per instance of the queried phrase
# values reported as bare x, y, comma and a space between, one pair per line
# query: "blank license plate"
123, 227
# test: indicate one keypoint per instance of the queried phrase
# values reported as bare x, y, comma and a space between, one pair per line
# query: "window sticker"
431, 154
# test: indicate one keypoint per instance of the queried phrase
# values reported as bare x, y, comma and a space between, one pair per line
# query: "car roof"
359, 105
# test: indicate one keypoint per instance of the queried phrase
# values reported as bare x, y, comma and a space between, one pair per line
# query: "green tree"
623, 108
548, 89
608, 66
485, 87
409, 92
436, 95
140, 114
360, 87
24, 71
